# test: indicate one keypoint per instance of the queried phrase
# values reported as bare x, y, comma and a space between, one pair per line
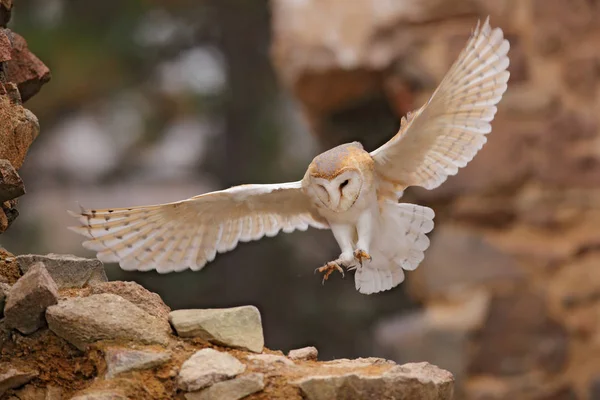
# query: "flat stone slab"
412, 381
28, 299
238, 327
85, 320
207, 367
68, 271
233, 389
120, 360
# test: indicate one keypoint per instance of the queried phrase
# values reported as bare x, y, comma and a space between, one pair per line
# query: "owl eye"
344, 184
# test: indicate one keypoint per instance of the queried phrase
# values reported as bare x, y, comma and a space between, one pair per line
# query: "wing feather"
446, 133
190, 233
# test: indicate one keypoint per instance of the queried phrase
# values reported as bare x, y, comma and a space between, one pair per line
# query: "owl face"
335, 179
337, 194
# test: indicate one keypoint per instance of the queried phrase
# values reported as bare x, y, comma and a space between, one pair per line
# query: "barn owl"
346, 189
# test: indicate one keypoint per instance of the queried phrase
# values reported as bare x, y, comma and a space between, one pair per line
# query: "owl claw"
361, 256
328, 270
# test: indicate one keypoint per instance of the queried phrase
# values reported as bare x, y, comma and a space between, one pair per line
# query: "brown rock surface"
11, 184
24, 68
9, 269
11, 377
5, 11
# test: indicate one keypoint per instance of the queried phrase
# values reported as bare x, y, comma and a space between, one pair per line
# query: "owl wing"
189, 233
447, 132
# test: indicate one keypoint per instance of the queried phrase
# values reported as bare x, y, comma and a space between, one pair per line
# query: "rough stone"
408, 381
24, 68
207, 367
119, 360
136, 294
232, 389
238, 327
82, 321
28, 299
101, 395
305, 353
497, 353
11, 184
68, 271
271, 359
18, 129
12, 378
5, 12
4, 289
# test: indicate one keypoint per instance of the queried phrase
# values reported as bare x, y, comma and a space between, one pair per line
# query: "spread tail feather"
399, 246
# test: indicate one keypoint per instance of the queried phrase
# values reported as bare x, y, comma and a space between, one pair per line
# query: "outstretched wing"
447, 132
189, 233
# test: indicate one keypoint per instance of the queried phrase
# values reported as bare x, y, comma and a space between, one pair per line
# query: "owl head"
335, 179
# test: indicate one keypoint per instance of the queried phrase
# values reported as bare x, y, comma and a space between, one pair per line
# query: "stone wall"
67, 333
21, 76
509, 288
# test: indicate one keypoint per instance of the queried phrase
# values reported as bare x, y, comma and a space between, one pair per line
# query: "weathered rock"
12, 378
305, 353
18, 129
28, 299
11, 184
31, 392
107, 394
238, 327
4, 288
9, 269
5, 12
232, 389
82, 321
207, 367
402, 382
271, 359
24, 68
119, 360
136, 294
68, 271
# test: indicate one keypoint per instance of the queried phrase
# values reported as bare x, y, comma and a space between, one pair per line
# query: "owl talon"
361, 256
328, 270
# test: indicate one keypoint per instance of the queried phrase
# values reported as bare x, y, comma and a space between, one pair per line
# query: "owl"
353, 192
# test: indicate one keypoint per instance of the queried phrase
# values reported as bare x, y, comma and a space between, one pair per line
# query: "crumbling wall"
67, 333
22, 75
510, 285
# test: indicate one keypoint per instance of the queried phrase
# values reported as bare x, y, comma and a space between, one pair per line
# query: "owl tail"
398, 246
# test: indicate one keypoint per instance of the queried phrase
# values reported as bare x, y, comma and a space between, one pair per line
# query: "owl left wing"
447, 132
189, 233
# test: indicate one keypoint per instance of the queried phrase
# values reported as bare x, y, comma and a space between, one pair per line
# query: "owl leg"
343, 234
365, 228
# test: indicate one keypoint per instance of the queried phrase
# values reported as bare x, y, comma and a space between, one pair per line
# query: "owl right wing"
447, 132
189, 233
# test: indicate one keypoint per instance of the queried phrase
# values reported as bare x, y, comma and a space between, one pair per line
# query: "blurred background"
153, 101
